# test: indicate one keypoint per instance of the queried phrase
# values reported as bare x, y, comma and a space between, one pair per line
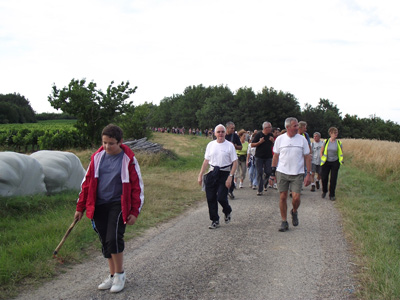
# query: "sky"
346, 51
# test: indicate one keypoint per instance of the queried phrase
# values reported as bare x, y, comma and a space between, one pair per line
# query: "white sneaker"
106, 284
119, 282
240, 185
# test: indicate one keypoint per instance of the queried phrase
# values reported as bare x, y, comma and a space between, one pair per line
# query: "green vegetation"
93, 108
371, 215
14, 108
204, 107
44, 135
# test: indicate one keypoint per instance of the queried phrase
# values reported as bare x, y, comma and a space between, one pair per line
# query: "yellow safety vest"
339, 151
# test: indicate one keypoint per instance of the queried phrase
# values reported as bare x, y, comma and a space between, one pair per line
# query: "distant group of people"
181, 130
286, 159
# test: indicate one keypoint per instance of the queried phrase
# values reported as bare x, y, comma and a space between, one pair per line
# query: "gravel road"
246, 259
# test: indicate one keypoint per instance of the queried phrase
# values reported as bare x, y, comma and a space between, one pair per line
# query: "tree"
135, 123
14, 108
219, 108
92, 108
275, 107
322, 117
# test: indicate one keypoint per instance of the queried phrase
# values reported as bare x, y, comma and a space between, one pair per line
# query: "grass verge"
371, 216
32, 226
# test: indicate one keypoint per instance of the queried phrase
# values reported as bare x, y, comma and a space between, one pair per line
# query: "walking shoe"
323, 195
241, 185
333, 198
231, 195
295, 219
228, 218
214, 225
254, 187
317, 184
107, 283
259, 193
119, 282
284, 226
275, 186
313, 188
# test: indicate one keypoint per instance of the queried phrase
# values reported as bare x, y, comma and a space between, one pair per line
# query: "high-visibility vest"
339, 152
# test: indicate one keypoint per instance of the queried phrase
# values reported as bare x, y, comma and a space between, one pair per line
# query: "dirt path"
246, 259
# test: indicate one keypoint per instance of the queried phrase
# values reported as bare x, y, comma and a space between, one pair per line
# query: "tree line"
197, 107
205, 107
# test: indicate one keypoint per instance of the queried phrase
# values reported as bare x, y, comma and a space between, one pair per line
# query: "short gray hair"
230, 123
219, 125
317, 133
289, 121
265, 124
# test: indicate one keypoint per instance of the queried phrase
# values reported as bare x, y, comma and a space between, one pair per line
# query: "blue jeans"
253, 174
263, 166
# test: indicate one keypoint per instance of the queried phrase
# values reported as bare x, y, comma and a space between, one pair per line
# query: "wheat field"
378, 157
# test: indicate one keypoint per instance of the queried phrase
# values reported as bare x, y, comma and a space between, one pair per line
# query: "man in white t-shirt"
222, 159
290, 151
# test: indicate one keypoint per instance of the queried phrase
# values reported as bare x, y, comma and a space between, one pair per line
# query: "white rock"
62, 170
20, 174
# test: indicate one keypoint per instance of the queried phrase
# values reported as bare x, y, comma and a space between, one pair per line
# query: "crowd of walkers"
286, 160
191, 131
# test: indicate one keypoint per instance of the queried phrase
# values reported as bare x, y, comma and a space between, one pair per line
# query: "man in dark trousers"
232, 137
263, 141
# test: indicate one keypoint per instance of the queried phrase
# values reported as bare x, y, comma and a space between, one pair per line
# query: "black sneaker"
228, 218
323, 195
332, 198
214, 225
231, 195
317, 184
284, 226
295, 219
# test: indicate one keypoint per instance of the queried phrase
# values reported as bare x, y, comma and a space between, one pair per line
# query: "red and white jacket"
132, 197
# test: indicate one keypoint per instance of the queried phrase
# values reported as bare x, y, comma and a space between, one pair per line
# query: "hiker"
331, 159
112, 195
290, 151
221, 158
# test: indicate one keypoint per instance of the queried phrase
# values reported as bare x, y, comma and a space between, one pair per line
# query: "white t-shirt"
220, 154
291, 152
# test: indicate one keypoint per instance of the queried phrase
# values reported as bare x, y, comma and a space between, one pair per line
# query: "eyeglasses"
220, 131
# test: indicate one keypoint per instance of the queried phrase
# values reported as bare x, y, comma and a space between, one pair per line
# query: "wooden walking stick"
65, 237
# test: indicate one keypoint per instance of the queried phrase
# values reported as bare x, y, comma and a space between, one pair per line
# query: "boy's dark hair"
113, 131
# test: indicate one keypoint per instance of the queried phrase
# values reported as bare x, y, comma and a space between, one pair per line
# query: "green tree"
135, 122
15, 108
275, 107
93, 108
219, 108
322, 117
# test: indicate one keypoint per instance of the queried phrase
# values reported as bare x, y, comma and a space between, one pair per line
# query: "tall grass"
32, 226
381, 158
368, 190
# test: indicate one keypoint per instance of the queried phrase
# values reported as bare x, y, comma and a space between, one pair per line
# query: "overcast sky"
346, 51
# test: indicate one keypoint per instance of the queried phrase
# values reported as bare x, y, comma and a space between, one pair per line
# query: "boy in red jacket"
112, 195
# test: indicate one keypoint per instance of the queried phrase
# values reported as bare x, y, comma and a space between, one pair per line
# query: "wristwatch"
310, 173
231, 175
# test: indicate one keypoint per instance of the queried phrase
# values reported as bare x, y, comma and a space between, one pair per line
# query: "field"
367, 197
369, 187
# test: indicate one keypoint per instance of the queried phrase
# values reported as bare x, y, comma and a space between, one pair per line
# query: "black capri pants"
109, 225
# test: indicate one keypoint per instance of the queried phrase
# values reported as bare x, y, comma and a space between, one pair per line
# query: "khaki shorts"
294, 181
